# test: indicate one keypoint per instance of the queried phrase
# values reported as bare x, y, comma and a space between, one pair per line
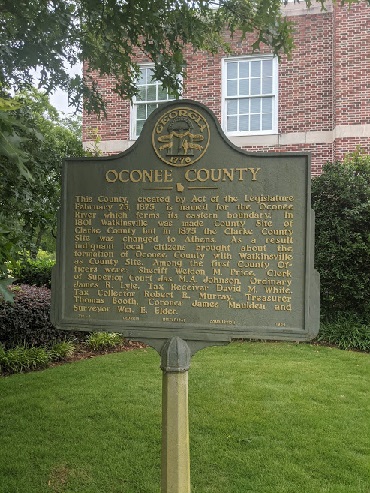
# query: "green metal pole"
175, 475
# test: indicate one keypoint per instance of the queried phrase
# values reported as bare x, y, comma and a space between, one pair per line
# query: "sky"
60, 101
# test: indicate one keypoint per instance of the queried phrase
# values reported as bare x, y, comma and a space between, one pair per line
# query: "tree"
106, 34
29, 192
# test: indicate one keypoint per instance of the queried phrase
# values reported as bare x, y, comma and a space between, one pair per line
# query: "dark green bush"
2, 357
341, 200
346, 333
35, 272
26, 321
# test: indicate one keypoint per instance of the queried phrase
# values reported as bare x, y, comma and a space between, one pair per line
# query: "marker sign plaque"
186, 235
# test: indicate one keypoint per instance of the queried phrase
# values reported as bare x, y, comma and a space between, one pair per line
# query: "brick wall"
305, 81
351, 65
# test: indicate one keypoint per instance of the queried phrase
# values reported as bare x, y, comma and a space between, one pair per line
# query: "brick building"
319, 101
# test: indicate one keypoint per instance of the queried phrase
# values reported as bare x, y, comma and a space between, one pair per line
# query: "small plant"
21, 359
346, 333
38, 357
100, 341
93, 149
62, 350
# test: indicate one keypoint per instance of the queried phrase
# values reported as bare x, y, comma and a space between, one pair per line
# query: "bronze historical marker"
185, 235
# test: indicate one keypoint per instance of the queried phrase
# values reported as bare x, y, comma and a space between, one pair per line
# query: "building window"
151, 95
250, 95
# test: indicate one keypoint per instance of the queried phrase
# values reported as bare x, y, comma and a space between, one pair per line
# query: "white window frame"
136, 103
273, 95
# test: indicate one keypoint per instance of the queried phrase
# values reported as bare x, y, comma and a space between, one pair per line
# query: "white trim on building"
249, 95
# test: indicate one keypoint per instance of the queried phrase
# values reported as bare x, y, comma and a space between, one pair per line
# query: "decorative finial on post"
175, 356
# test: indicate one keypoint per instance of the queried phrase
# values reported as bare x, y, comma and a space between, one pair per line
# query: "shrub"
35, 272
62, 350
100, 341
2, 357
346, 333
21, 359
26, 321
341, 200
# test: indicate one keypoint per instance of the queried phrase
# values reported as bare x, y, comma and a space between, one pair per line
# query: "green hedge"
341, 200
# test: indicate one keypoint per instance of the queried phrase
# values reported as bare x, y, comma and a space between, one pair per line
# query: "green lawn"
264, 418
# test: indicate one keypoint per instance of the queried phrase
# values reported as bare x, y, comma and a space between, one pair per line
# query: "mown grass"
264, 418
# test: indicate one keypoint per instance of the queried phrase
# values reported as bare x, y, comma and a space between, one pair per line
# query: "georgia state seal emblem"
181, 136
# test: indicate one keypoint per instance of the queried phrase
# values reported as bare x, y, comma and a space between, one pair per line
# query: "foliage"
93, 149
35, 272
32, 204
100, 341
346, 333
53, 37
14, 135
8, 104
107, 35
2, 357
31, 172
21, 359
62, 350
27, 320
5, 294
341, 200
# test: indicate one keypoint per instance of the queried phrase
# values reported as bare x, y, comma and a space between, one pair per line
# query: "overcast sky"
60, 100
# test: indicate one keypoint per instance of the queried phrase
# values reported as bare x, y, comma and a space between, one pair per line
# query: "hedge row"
341, 200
